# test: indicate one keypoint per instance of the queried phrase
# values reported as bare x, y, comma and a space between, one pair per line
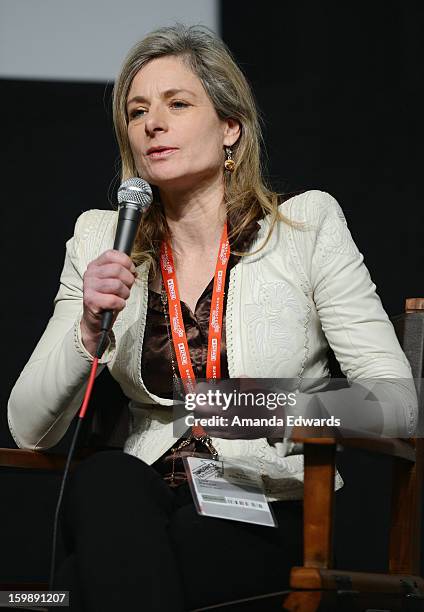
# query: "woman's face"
175, 134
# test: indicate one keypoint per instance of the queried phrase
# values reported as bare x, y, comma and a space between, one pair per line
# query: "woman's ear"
232, 132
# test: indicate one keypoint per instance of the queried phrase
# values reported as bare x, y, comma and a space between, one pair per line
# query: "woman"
186, 123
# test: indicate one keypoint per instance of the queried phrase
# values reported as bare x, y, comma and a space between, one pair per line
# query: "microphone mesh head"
135, 191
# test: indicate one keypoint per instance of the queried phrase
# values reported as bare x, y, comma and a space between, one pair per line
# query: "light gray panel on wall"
84, 39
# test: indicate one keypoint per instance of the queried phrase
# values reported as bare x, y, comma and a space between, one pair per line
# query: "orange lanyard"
179, 337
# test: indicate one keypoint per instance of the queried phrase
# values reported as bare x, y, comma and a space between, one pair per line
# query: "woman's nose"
155, 122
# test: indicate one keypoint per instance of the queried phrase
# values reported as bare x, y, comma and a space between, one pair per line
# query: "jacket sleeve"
48, 392
357, 329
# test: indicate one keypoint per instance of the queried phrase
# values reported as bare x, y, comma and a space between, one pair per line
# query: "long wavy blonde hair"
247, 198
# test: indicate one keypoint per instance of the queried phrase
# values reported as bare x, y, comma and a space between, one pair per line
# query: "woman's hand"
226, 412
107, 284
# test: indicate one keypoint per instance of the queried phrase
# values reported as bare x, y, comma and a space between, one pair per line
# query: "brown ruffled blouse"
156, 366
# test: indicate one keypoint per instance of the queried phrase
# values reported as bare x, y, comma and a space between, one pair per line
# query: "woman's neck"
195, 219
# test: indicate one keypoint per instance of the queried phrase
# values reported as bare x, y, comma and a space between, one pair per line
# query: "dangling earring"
229, 163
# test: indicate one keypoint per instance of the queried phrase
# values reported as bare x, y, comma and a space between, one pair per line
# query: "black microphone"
134, 198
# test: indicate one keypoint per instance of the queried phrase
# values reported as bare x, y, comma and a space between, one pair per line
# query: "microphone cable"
87, 395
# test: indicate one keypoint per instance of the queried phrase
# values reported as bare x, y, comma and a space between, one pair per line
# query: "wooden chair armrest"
22, 458
394, 447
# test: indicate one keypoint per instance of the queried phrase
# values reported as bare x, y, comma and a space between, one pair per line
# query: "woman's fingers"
116, 271
107, 285
113, 256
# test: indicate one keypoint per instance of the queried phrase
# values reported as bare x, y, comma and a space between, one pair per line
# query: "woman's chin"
174, 181
178, 181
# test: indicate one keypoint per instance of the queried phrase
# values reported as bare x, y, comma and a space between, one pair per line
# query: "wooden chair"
317, 585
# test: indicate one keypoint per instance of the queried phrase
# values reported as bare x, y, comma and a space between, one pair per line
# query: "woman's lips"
161, 153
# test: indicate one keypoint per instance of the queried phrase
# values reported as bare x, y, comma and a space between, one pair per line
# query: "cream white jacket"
307, 288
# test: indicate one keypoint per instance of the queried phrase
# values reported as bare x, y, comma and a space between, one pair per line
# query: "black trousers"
133, 543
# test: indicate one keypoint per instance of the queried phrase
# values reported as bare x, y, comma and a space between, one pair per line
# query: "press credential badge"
227, 490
